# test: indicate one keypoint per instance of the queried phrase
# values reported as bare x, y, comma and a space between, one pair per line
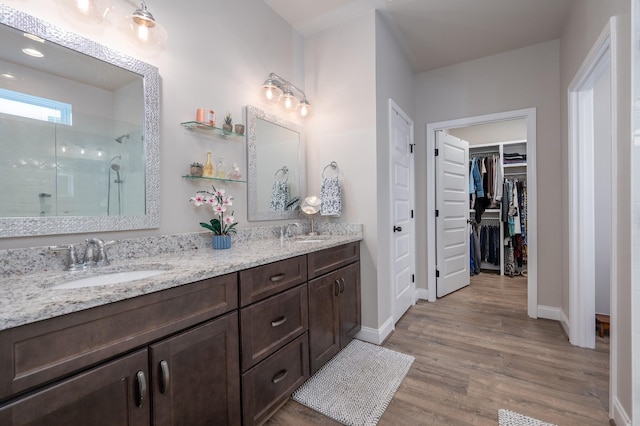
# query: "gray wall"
586, 21
522, 78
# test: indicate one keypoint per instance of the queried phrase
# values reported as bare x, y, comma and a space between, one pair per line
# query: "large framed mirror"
276, 163
79, 133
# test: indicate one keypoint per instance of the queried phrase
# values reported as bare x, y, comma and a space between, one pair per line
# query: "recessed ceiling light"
32, 52
34, 37
8, 76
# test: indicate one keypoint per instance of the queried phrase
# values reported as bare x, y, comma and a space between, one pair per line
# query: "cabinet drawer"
266, 280
328, 260
271, 382
43, 351
267, 325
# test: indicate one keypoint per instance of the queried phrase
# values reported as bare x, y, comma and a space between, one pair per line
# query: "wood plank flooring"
477, 351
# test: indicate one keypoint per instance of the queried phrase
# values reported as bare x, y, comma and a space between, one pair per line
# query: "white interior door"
401, 131
452, 203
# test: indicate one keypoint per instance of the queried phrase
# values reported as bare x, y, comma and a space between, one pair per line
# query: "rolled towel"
331, 197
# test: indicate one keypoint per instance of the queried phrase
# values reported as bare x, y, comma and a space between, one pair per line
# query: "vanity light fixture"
143, 29
88, 11
276, 89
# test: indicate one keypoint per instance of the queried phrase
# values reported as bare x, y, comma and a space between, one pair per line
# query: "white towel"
331, 197
279, 196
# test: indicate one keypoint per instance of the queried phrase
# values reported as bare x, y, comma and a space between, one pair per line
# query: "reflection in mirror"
276, 166
78, 133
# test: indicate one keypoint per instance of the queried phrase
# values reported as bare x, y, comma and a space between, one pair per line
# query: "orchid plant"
216, 199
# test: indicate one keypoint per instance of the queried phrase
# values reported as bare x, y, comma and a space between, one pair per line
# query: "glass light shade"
271, 92
87, 11
304, 108
289, 102
144, 32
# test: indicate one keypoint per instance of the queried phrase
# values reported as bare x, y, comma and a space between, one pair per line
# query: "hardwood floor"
477, 351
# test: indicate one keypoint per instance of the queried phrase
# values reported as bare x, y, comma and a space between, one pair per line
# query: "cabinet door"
113, 394
350, 318
195, 375
324, 337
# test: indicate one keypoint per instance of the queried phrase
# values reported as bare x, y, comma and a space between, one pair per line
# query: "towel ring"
284, 174
334, 168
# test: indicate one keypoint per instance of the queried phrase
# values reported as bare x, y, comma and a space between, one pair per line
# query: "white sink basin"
111, 278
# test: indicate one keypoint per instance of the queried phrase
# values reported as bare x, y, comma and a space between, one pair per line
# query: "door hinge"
437, 213
411, 213
413, 278
411, 147
437, 274
437, 152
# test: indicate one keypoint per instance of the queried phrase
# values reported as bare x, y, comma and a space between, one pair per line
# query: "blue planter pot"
221, 241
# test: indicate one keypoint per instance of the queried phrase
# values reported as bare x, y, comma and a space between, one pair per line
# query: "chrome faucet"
95, 254
71, 262
289, 234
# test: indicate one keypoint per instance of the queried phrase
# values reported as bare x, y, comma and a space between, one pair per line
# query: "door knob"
397, 228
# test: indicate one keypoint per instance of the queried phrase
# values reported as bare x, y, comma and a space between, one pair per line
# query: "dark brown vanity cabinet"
225, 350
113, 394
273, 333
334, 302
165, 353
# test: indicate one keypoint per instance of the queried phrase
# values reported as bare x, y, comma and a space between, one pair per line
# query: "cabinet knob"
164, 376
279, 376
342, 284
397, 228
276, 278
337, 288
279, 321
142, 388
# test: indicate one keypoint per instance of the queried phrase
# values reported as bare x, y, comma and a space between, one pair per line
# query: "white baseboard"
422, 293
376, 336
553, 313
619, 415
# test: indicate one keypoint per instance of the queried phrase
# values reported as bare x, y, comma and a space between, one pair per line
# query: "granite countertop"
31, 297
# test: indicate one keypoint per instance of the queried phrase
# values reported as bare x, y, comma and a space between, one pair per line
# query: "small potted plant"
222, 226
195, 169
228, 123
239, 129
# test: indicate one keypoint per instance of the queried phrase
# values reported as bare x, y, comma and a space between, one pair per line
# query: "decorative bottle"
208, 167
221, 170
234, 173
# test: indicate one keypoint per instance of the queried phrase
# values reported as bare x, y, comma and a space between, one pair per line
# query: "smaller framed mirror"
276, 165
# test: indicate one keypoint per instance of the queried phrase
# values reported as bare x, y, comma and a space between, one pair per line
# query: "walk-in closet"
497, 198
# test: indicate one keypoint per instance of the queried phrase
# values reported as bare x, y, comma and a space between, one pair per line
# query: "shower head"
115, 167
120, 138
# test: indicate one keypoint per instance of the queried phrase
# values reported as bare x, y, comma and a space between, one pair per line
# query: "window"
23, 105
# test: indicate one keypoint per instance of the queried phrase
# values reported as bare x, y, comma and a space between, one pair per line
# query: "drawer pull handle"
342, 285
276, 278
279, 377
278, 322
142, 388
337, 288
164, 376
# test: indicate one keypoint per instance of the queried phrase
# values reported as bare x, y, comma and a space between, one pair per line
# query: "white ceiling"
437, 33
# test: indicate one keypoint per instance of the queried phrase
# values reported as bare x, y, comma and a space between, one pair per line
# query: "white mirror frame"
253, 114
33, 226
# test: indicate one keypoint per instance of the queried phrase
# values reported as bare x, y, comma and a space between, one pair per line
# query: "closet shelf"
486, 210
510, 165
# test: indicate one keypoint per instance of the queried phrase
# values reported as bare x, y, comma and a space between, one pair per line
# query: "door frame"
394, 108
528, 114
581, 201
